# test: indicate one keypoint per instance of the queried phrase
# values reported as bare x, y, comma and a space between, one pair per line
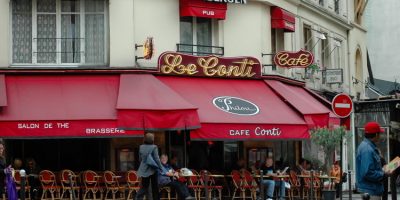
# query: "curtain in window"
22, 31
186, 35
46, 32
204, 36
70, 31
70, 42
94, 35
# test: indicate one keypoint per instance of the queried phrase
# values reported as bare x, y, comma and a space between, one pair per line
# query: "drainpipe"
352, 128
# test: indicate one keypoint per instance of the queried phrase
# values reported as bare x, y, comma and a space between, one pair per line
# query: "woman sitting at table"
336, 172
269, 183
167, 179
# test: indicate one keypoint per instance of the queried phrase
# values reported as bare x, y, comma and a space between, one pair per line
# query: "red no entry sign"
342, 105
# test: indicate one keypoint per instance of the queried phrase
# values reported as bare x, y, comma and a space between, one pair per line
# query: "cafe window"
59, 32
256, 156
196, 35
126, 159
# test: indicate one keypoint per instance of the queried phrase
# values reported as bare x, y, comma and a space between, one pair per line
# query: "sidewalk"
358, 196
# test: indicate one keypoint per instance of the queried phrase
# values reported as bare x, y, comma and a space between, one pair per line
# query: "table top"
303, 176
187, 175
327, 177
271, 175
217, 175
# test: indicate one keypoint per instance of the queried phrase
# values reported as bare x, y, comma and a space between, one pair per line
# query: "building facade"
104, 37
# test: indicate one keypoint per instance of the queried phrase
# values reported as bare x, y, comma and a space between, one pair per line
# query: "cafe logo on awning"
235, 105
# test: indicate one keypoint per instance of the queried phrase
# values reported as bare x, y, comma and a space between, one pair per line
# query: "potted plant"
328, 139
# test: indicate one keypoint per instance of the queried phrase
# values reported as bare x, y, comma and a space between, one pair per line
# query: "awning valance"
61, 106
282, 19
201, 8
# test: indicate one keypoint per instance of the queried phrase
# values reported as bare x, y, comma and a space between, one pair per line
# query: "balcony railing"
200, 50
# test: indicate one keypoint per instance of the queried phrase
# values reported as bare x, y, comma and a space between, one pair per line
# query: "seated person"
269, 183
168, 179
303, 167
17, 164
336, 172
239, 165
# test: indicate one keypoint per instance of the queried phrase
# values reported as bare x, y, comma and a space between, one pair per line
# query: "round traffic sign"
342, 105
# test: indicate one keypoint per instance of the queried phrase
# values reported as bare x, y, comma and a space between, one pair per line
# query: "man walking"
369, 170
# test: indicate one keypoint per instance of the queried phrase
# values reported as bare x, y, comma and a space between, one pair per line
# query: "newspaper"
392, 165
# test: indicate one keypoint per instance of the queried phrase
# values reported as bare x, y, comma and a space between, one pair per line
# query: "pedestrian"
369, 170
2, 170
148, 169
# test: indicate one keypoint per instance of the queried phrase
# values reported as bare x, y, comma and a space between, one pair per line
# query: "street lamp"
320, 36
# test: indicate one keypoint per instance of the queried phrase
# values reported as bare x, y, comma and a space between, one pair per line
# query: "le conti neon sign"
210, 66
299, 59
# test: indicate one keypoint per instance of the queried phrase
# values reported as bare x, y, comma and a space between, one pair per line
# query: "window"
321, 2
59, 32
337, 3
359, 7
307, 37
325, 52
336, 54
196, 35
277, 43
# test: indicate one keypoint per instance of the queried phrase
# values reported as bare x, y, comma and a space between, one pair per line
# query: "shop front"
204, 110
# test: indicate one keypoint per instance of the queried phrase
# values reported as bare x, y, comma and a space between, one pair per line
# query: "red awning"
61, 106
314, 112
3, 94
145, 103
334, 120
201, 8
274, 119
282, 19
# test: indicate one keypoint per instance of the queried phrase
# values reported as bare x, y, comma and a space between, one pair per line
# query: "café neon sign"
299, 59
173, 63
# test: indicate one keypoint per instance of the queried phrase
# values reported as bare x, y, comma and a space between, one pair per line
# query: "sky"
383, 38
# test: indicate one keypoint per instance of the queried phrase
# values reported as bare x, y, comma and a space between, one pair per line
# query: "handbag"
150, 161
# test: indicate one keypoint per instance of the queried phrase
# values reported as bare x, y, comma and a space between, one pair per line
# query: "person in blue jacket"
369, 169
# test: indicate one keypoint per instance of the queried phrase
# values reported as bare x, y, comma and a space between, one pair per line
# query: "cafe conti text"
258, 131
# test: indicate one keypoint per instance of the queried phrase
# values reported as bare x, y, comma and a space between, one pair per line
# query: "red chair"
195, 184
211, 186
133, 184
17, 179
250, 182
49, 184
91, 184
112, 185
295, 185
66, 183
240, 185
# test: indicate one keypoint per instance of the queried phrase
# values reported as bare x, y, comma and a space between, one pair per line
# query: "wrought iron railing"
200, 49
